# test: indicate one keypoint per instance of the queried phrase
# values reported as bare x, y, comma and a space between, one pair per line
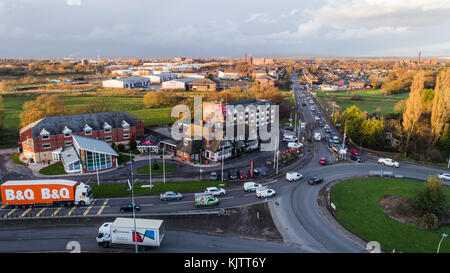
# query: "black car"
129, 207
314, 180
225, 176
234, 174
356, 158
321, 123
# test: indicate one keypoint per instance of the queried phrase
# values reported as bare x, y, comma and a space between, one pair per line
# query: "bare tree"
440, 111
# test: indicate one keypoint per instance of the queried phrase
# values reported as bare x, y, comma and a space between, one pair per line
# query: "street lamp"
444, 235
132, 204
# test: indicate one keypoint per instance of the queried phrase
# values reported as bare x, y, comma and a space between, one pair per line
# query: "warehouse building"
178, 84
132, 82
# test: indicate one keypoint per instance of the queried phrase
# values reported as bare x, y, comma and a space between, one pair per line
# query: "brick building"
43, 136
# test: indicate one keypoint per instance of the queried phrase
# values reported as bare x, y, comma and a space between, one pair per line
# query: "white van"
293, 176
251, 186
264, 192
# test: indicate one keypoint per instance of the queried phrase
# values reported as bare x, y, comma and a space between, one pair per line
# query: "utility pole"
133, 205
223, 156
164, 164
150, 166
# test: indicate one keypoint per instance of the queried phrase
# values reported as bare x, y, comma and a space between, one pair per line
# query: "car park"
389, 162
205, 201
264, 192
129, 207
445, 176
215, 191
323, 161
251, 186
170, 195
314, 180
293, 176
225, 176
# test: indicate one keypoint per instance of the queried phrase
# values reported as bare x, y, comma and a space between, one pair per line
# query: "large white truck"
148, 232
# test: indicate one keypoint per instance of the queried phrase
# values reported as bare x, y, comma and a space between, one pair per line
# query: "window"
67, 142
126, 135
45, 136
46, 145
107, 128
108, 138
125, 125
67, 132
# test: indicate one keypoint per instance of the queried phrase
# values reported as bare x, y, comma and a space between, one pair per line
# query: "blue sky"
168, 28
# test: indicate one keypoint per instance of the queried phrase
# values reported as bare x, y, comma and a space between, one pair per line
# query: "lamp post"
444, 235
132, 204
150, 166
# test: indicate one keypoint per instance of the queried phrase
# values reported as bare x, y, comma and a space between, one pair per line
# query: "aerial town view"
242, 128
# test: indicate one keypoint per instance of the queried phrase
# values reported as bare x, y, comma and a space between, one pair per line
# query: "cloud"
261, 17
73, 2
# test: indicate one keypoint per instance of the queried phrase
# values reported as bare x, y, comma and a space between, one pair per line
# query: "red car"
323, 161
243, 174
355, 152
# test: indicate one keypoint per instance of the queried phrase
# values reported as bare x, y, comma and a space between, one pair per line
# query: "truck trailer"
37, 192
148, 232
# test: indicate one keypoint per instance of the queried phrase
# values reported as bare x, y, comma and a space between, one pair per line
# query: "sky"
205, 28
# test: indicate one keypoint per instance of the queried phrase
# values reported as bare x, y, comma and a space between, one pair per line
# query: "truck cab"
104, 235
83, 195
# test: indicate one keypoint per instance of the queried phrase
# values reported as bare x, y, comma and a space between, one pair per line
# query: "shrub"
429, 221
431, 198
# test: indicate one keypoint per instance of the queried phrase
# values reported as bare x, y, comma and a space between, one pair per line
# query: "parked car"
251, 186
336, 140
356, 158
290, 138
389, 162
313, 108
317, 136
327, 130
303, 125
264, 192
243, 174
260, 171
215, 191
293, 176
354, 152
213, 176
206, 201
170, 195
225, 176
129, 207
321, 123
294, 145
315, 180
445, 176
323, 161
234, 174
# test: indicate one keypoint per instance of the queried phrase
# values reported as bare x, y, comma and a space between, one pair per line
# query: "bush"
155, 166
435, 155
431, 198
429, 221
121, 147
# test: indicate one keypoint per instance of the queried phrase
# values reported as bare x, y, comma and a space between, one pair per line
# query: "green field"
133, 105
365, 100
357, 209
115, 189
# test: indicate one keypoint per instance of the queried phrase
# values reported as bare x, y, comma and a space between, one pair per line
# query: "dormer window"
45, 134
67, 132
125, 125
107, 128
87, 130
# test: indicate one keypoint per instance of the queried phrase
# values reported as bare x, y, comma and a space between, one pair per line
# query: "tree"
440, 107
354, 119
414, 108
432, 198
43, 106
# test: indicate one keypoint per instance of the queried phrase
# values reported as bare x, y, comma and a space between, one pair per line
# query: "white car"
303, 125
290, 138
264, 192
294, 145
313, 108
293, 176
311, 101
389, 162
445, 176
215, 191
251, 186
317, 118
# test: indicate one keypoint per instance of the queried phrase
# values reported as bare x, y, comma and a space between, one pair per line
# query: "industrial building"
132, 82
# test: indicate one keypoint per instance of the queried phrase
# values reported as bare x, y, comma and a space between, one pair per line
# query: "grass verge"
53, 169
16, 160
159, 169
120, 189
357, 202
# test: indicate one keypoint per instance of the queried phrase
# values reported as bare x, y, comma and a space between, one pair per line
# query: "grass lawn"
115, 189
53, 169
15, 158
366, 100
146, 169
357, 203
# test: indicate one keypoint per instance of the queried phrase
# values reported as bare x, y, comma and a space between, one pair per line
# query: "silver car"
170, 195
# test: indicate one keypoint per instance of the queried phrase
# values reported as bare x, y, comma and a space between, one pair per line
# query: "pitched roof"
93, 145
55, 125
202, 82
